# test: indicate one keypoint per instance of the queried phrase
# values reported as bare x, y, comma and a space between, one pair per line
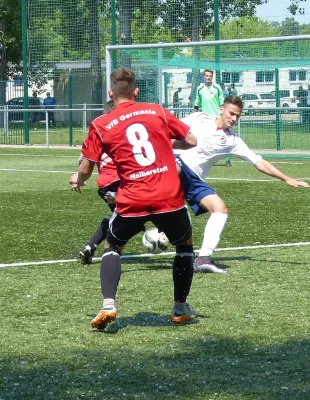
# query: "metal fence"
279, 130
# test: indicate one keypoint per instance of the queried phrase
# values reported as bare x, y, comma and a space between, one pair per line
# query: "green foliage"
194, 19
10, 36
144, 26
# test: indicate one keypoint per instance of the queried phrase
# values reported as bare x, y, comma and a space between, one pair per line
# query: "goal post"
140, 53
270, 74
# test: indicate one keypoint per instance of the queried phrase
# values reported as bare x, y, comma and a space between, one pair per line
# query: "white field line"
23, 264
37, 155
74, 156
35, 170
208, 178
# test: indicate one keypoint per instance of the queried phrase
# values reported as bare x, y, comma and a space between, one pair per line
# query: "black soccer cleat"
86, 254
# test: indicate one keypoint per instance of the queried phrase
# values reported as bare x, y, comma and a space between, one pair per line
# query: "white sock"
108, 303
212, 233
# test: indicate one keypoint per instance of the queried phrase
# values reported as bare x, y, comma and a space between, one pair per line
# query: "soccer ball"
155, 242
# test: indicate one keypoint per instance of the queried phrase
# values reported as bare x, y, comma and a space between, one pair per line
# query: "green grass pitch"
252, 338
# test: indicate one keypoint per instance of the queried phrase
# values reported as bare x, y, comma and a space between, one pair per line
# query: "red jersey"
107, 171
137, 136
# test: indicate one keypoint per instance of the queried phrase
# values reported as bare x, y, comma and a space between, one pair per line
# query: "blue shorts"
194, 188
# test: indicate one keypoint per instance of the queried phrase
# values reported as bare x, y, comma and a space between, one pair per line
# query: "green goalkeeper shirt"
209, 98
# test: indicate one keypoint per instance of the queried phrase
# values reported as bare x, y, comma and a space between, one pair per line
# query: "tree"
296, 7
10, 42
84, 36
194, 18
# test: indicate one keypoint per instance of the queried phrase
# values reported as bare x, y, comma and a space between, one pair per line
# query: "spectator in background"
176, 101
210, 98
233, 90
49, 104
225, 92
34, 102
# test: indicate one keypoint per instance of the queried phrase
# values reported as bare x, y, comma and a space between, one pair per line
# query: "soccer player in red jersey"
138, 137
108, 183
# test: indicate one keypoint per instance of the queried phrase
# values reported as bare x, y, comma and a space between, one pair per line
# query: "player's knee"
221, 209
184, 250
105, 224
110, 249
215, 204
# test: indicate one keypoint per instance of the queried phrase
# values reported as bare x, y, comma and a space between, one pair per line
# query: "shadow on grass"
148, 263
143, 319
221, 262
207, 368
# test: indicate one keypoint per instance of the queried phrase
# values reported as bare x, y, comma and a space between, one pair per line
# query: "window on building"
264, 76
189, 78
297, 75
231, 77
168, 77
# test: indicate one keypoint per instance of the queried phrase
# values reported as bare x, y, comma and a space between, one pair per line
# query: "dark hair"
123, 82
108, 107
235, 100
208, 70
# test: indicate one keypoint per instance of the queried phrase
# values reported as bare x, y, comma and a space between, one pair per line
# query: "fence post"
70, 112
46, 129
239, 127
25, 71
6, 120
278, 132
84, 118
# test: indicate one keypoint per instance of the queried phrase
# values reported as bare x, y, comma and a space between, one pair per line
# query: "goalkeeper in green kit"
210, 98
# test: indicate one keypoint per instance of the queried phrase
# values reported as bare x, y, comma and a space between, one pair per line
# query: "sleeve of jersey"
197, 100
92, 148
188, 120
221, 96
178, 130
241, 150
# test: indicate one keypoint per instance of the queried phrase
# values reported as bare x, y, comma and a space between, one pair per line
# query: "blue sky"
276, 10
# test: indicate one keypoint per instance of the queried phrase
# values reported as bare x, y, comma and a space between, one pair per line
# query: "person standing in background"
210, 97
233, 90
49, 103
176, 101
34, 102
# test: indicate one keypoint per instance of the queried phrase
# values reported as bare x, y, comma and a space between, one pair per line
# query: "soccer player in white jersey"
216, 140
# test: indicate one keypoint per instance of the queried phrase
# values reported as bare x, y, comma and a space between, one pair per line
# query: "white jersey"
212, 145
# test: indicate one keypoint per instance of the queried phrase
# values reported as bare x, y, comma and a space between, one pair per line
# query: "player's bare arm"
268, 169
73, 178
189, 142
84, 173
